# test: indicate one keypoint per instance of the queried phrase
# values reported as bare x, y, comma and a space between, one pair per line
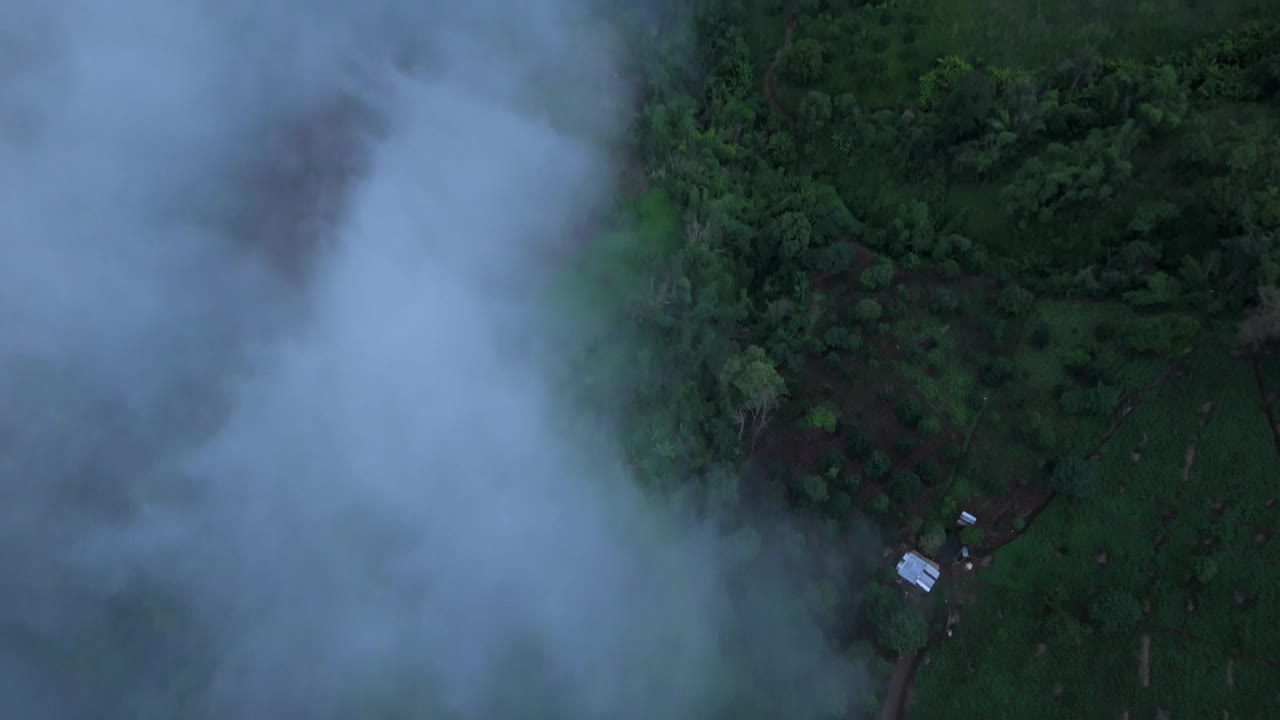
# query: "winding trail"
770, 75
904, 671
1266, 405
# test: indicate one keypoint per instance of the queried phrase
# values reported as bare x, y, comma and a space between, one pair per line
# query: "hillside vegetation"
889, 261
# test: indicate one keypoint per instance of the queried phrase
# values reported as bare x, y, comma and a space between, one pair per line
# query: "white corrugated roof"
918, 571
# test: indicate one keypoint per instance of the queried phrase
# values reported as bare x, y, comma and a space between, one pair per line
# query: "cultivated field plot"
1179, 545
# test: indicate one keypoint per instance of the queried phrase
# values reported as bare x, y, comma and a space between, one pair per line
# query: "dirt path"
772, 72
1266, 406
1129, 405
904, 671
1144, 660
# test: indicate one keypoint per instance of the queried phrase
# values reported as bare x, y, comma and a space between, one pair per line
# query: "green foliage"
1115, 611
932, 539
1015, 301
904, 486
879, 275
877, 465
1165, 335
860, 444
910, 413
867, 310
939, 81
821, 417
814, 488
803, 61
1074, 478
903, 632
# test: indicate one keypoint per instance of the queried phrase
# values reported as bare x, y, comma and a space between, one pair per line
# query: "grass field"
1191, 535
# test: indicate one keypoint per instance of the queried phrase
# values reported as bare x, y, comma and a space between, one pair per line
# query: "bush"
803, 61
821, 417
877, 465
880, 503
1073, 477
1039, 337
832, 462
1166, 335
1115, 611
971, 536
878, 276
928, 472
943, 302
1015, 301
904, 445
814, 488
997, 371
904, 632
860, 444
867, 310
904, 487
932, 539
931, 425
852, 482
910, 413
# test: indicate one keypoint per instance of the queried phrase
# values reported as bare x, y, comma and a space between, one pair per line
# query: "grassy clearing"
1187, 550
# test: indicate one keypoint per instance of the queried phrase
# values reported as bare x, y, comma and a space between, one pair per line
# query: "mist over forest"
282, 431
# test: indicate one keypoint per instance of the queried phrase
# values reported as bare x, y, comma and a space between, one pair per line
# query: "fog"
278, 436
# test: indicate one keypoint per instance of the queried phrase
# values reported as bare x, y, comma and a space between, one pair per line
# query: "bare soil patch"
1144, 660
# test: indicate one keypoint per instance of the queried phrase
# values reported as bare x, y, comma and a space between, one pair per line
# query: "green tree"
878, 276
1074, 477
867, 310
877, 465
904, 631
933, 538
1115, 611
904, 487
815, 112
753, 387
803, 61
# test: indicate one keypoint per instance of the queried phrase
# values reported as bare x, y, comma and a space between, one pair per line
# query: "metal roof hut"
966, 519
919, 571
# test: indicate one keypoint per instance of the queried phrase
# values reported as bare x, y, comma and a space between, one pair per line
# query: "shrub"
803, 61
880, 503
814, 488
1166, 335
904, 445
928, 472
832, 462
1039, 336
860, 444
904, 487
867, 310
1073, 477
1115, 611
877, 465
821, 417
904, 632
933, 538
910, 413
997, 371
931, 425
943, 302
852, 482
878, 276
1015, 301
971, 536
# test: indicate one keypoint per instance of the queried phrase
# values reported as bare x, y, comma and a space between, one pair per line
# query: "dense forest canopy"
905, 259
585, 359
